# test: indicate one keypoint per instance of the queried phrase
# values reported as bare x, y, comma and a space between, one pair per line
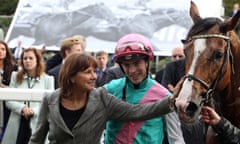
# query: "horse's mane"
203, 25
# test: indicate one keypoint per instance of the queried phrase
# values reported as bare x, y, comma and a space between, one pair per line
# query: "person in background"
174, 70
68, 46
7, 66
235, 9
177, 54
57, 58
172, 73
53, 61
22, 120
114, 72
102, 60
17, 51
228, 133
77, 112
134, 53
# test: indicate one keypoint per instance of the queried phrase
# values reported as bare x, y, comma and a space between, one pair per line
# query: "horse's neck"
230, 97
235, 84
227, 106
235, 48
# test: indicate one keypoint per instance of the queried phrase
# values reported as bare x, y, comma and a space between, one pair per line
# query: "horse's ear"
194, 13
231, 23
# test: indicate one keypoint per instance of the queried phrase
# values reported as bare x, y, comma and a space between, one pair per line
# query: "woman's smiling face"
86, 79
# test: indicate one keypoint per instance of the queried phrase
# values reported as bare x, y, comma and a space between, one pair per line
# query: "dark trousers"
24, 132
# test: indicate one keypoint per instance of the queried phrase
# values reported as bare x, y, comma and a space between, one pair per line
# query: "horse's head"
208, 62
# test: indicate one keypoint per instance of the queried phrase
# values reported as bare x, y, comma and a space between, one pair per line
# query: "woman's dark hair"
73, 64
9, 62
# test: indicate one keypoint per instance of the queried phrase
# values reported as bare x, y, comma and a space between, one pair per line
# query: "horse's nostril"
191, 109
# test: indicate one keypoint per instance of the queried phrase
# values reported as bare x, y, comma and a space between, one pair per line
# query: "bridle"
208, 96
210, 89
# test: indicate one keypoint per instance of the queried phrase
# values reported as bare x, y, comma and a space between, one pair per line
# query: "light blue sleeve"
14, 106
49, 82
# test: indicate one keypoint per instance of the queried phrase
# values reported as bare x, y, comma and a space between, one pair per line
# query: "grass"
5, 22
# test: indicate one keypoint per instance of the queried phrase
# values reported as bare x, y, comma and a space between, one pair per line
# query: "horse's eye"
217, 55
183, 41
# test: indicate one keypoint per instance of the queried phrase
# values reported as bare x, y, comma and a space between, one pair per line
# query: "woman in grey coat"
77, 113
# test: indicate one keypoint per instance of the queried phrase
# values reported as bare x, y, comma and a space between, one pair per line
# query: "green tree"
8, 7
7, 10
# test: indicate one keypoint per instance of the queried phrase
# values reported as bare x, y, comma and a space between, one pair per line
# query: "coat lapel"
89, 110
55, 112
91, 107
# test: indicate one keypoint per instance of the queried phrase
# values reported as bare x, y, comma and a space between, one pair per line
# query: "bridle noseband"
211, 88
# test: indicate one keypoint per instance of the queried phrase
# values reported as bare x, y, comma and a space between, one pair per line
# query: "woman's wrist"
171, 103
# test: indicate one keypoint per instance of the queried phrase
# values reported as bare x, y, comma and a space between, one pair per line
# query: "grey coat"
100, 108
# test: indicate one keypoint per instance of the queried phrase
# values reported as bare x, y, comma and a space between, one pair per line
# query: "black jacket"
173, 72
228, 134
55, 72
110, 74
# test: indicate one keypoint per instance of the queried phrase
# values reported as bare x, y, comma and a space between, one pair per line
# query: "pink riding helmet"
133, 44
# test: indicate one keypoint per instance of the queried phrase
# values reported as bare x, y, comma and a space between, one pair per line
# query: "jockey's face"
135, 70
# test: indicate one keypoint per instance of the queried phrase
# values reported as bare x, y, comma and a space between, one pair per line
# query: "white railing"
22, 94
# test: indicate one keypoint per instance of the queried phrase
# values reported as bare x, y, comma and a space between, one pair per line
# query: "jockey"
134, 53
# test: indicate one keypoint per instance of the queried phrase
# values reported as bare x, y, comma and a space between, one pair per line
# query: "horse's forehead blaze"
199, 47
186, 91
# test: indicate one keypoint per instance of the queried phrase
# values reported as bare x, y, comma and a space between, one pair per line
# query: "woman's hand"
176, 91
27, 112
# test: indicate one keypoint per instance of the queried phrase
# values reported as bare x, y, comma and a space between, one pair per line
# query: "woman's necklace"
31, 82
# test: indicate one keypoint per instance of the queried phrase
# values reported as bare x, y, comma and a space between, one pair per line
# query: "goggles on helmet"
133, 46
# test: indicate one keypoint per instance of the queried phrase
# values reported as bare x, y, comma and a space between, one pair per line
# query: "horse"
212, 70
